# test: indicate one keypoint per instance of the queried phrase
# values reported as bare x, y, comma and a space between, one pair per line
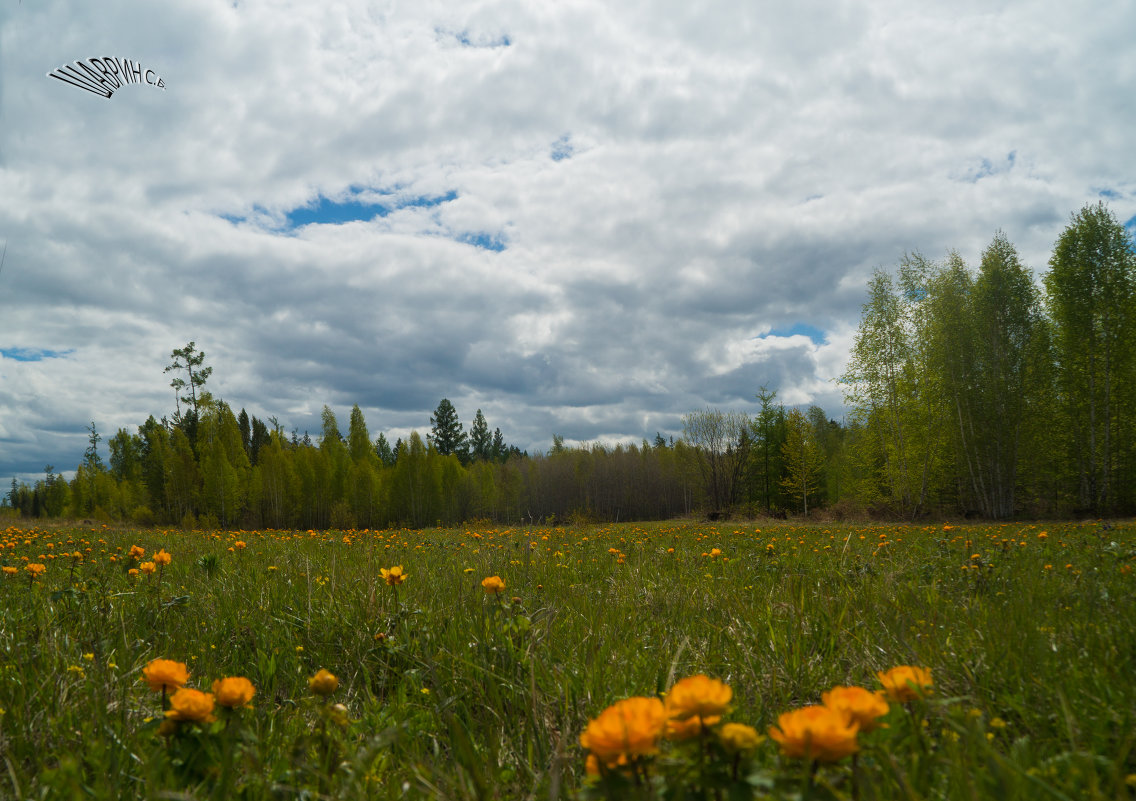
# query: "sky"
584, 218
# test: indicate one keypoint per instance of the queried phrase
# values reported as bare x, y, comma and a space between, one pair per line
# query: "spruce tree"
446, 433
480, 440
384, 451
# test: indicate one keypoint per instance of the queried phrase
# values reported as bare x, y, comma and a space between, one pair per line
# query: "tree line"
971, 392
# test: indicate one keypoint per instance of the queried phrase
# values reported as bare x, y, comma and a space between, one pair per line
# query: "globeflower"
165, 674
162, 558
35, 569
147, 567
865, 707
906, 683
136, 551
493, 585
323, 683
627, 729
816, 732
233, 691
699, 696
394, 576
739, 738
191, 705
679, 730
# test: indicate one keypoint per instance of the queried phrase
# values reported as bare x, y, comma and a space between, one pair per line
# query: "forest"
971, 392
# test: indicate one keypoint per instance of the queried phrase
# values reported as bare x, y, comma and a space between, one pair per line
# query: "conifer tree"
480, 440
446, 434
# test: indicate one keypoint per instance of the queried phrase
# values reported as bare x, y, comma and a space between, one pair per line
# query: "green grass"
466, 695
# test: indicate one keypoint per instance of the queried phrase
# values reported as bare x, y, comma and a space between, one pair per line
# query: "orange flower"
233, 691
864, 706
162, 558
323, 683
693, 726
816, 732
698, 696
165, 674
191, 705
147, 567
629, 728
35, 570
905, 683
493, 585
137, 551
394, 576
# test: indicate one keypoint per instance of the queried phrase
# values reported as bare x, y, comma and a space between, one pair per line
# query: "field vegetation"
500, 663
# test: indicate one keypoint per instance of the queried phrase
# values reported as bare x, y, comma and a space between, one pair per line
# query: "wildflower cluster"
624, 743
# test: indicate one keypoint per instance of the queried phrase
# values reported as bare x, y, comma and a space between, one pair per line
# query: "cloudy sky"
583, 217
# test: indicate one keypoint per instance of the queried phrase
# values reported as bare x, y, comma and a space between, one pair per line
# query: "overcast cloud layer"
595, 217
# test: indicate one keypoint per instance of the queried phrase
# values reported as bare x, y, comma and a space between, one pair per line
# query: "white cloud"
722, 170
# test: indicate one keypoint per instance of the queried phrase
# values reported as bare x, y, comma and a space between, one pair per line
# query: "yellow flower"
191, 705
137, 551
816, 732
493, 585
132, 572
147, 567
35, 570
10, 571
905, 683
240, 545
629, 728
698, 695
738, 738
394, 576
165, 674
162, 558
865, 707
323, 683
233, 691
337, 713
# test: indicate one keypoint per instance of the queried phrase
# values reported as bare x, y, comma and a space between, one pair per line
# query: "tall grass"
451, 692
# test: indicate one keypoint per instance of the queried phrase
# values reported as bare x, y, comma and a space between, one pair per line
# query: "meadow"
442, 682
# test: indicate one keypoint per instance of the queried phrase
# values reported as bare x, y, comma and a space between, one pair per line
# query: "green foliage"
446, 434
447, 691
804, 459
1091, 288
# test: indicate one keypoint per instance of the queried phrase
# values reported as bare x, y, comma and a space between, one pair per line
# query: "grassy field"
446, 690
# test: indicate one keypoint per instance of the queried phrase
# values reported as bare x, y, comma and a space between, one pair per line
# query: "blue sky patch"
326, 211
32, 354
330, 212
799, 329
466, 39
485, 241
986, 168
1131, 224
562, 148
